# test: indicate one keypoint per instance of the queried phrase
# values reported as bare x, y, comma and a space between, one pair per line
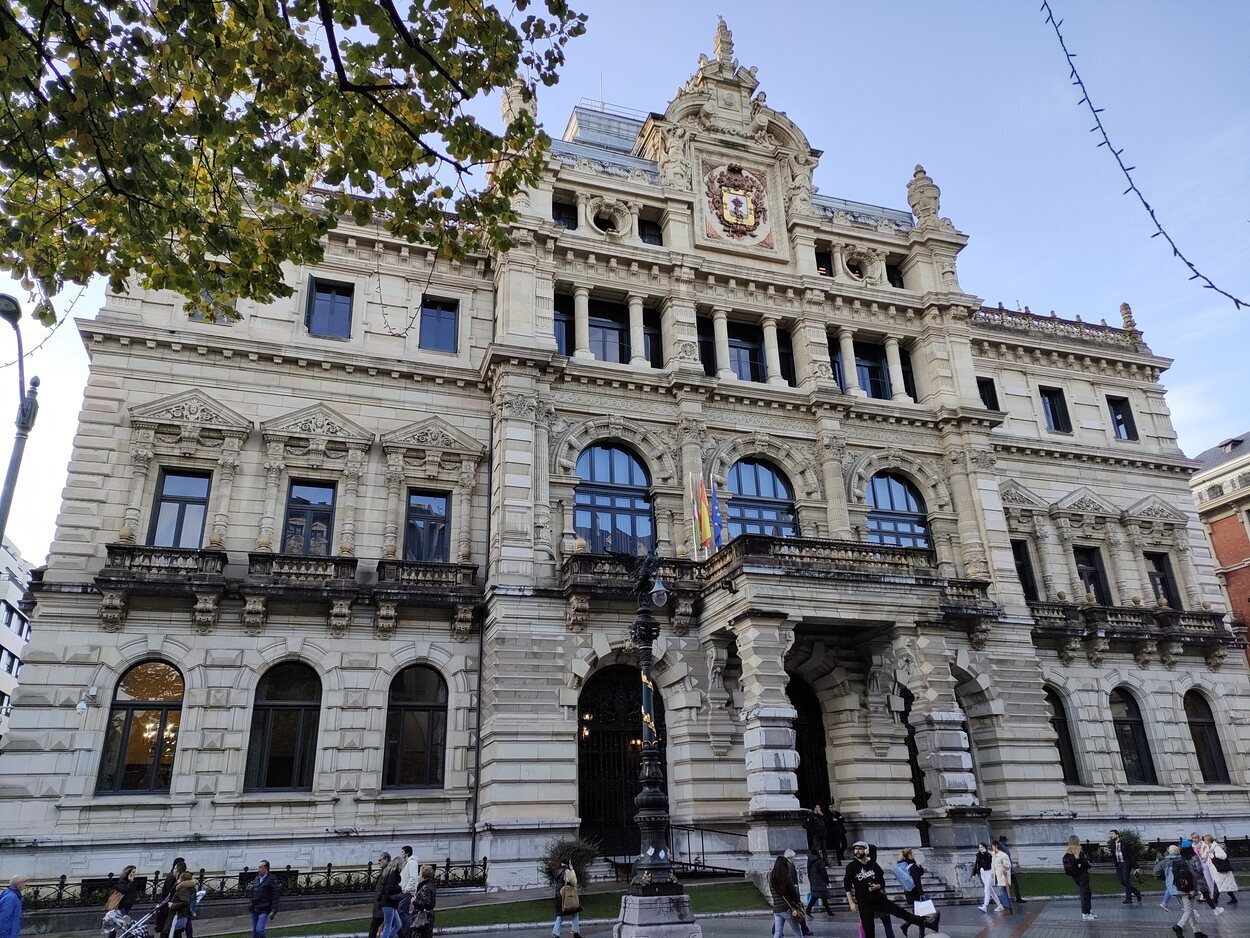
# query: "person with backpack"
1076, 865
908, 872
1182, 879
568, 902
982, 868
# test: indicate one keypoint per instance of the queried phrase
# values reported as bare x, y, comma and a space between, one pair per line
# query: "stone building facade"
347, 573
1221, 487
14, 627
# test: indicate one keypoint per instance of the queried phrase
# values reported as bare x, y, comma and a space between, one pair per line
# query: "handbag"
113, 901
421, 918
1221, 865
925, 908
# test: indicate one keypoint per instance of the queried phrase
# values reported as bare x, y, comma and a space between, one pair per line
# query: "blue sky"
979, 93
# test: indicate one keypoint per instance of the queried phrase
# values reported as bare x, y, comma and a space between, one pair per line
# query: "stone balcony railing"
170, 571
295, 571
608, 575
818, 559
1052, 327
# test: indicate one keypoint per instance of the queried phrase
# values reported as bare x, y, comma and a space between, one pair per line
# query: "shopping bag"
925, 907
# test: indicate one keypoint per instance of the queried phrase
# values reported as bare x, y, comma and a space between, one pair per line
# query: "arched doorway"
609, 746
809, 742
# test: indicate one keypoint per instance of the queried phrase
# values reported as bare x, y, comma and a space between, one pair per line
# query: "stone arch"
654, 453
450, 667
283, 649
931, 483
151, 647
788, 458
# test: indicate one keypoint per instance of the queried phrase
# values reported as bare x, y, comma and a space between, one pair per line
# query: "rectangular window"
894, 276
426, 527
309, 519
650, 232
824, 263
1024, 570
564, 324
746, 352
988, 392
1055, 409
180, 510
652, 338
439, 325
785, 355
564, 214
909, 377
835, 359
329, 310
1162, 583
1093, 577
707, 345
872, 371
1122, 418
609, 331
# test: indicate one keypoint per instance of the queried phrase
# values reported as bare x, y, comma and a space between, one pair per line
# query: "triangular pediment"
319, 421
1015, 495
1084, 501
432, 433
1154, 508
192, 407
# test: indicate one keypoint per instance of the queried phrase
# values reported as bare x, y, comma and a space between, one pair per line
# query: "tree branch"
402, 28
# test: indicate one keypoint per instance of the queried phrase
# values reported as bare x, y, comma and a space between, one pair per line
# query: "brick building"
1222, 489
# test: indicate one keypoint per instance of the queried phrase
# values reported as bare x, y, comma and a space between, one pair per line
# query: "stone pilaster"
274, 467
772, 354
141, 456
395, 498
227, 467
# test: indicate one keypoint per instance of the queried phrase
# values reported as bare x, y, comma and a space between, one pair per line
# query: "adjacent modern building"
353, 571
15, 630
1222, 488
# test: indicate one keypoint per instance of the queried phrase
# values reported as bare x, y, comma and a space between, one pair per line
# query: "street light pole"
27, 410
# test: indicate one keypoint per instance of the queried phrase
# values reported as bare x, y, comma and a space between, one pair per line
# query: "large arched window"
416, 729
612, 505
283, 745
1206, 738
1130, 733
1058, 717
762, 502
897, 513
142, 733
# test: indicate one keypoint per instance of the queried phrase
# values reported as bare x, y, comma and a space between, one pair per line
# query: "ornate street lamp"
27, 410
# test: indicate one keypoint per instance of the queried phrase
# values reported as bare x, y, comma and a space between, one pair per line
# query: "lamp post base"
656, 917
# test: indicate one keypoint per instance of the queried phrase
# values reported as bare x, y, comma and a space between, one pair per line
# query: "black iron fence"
65, 893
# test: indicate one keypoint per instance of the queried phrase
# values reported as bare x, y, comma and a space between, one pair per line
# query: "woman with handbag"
123, 896
568, 902
787, 903
1000, 866
423, 904
1221, 869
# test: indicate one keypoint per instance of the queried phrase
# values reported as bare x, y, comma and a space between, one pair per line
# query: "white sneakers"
1218, 910
1089, 917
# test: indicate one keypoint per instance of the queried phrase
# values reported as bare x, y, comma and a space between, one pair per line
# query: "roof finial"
1126, 313
723, 44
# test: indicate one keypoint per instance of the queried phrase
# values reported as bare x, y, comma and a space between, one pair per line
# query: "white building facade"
14, 627
345, 574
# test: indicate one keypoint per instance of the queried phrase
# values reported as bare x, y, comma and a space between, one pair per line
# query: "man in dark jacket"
264, 904
1015, 869
864, 885
1125, 864
167, 890
814, 824
379, 887
835, 832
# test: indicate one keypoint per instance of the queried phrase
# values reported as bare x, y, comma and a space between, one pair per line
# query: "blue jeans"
779, 923
390, 922
1004, 896
259, 921
575, 922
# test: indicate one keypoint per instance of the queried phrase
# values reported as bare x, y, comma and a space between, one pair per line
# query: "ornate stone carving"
1215, 655
1068, 648
255, 613
340, 617
112, 610
613, 210
1144, 651
1170, 652
514, 404
462, 622
687, 352
683, 616
1096, 649
206, 612
577, 613
979, 633
385, 619
519, 98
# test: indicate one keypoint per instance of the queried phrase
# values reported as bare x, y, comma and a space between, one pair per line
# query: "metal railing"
688, 846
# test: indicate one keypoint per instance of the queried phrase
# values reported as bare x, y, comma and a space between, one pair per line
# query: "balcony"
426, 584
612, 577
294, 575
162, 571
818, 559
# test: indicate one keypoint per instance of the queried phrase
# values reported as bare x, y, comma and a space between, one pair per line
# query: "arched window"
283, 745
897, 516
1058, 717
1130, 733
762, 502
416, 729
142, 733
1206, 738
612, 505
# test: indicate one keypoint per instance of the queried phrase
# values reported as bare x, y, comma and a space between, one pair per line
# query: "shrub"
578, 853
1131, 839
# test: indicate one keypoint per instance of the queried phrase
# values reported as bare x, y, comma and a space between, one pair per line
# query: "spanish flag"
705, 517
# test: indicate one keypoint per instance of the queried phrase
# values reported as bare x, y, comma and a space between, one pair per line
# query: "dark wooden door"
809, 742
609, 748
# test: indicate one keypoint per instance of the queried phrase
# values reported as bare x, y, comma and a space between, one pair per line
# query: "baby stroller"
121, 925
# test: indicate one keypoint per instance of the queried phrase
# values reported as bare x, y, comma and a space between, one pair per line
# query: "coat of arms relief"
736, 210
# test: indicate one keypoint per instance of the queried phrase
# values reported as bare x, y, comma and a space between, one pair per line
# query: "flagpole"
694, 535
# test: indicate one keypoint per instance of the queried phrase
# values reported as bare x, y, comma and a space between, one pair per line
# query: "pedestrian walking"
1125, 863
835, 832
908, 872
1187, 845
864, 884
787, 904
1015, 867
818, 883
123, 897
1185, 885
1076, 865
814, 824
981, 868
11, 907
568, 902
182, 906
389, 899
1221, 869
1000, 865
264, 899
167, 890
1203, 890
790, 856
1163, 871
376, 919
423, 901
409, 873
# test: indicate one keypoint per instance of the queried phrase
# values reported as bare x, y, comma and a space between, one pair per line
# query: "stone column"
1045, 561
351, 485
464, 507
720, 330
1121, 565
581, 323
895, 365
1185, 570
1063, 528
227, 466
832, 449
846, 345
141, 457
394, 504
274, 467
839, 262
772, 355
637, 337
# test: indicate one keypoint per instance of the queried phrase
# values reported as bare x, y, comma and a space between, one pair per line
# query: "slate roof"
1230, 449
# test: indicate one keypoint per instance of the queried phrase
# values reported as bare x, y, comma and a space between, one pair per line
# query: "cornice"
1180, 465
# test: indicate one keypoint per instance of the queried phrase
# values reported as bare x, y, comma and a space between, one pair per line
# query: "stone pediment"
1155, 509
1084, 501
190, 408
1015, 495
432, 433
318, 422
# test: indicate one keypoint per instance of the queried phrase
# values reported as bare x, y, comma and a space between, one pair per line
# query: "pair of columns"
772, 354
581, 328
850, 373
